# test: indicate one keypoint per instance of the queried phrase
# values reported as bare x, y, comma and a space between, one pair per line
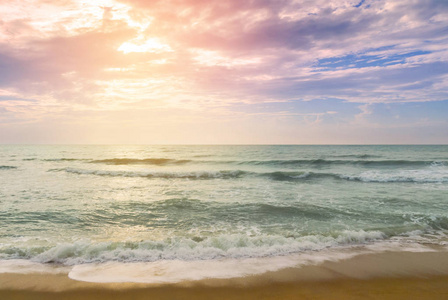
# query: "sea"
169, 213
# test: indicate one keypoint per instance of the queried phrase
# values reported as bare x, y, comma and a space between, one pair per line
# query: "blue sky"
364, 60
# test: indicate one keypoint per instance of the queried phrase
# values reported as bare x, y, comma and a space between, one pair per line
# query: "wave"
55, 159
187, 249
298, 176
167, 175
63, 159
204, 212
428, 221
7, 167
367, 163
409, 176
146, 161
210, 217
362, 156
363, 160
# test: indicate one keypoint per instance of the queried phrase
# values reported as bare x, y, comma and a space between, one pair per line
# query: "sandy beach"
410, 288
224, 222
393, 275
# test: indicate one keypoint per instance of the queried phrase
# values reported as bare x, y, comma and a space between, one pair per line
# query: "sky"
224, 72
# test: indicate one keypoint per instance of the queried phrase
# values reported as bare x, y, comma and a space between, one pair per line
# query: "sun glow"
213, 58
150, 45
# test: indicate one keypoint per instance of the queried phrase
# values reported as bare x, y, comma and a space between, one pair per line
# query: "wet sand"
397, 275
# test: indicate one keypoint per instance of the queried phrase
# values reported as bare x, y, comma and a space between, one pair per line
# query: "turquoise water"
73, 205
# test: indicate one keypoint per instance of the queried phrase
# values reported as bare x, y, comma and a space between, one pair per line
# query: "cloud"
209, 56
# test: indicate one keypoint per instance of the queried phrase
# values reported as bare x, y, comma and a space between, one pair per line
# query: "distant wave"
301, 176
63, 159
415, 176
359, 161
412, 176
326, 162
362, 156
146, 161
120, 161
7, 167
291, 176
55, 159
167, 175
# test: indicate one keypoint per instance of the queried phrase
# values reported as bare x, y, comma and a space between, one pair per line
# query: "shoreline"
387, 275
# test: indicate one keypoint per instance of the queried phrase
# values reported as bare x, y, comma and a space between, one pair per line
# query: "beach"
434, 288
391, 275
223, 222
192, 149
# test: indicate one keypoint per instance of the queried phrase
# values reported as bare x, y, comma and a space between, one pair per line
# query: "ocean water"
170, 213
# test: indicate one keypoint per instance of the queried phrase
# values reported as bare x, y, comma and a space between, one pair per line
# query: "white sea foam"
23, 266
234, 246
178, 270
171, 271
432, 175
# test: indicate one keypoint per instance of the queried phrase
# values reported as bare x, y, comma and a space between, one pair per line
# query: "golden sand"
378, 276
397, 288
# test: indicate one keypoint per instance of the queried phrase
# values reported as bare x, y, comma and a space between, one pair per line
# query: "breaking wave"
415, 176
188, 249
